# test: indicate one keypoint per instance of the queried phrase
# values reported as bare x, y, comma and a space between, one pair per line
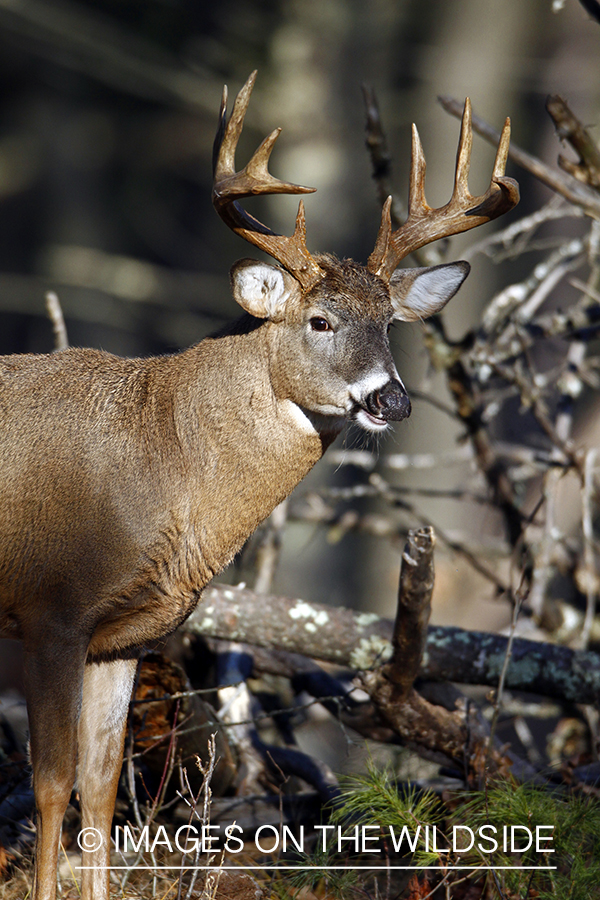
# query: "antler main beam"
255, 179
462, 212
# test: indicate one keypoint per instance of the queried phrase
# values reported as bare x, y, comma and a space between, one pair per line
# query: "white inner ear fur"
261, 289
419, 293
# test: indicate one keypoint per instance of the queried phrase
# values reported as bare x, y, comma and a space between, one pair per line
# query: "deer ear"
419, 293
261, 289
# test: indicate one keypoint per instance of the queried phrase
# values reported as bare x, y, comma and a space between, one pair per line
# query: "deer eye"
318, 323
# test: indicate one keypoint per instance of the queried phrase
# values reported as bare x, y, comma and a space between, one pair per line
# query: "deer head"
340, 311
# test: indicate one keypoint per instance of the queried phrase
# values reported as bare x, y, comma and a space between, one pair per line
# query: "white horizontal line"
315, 868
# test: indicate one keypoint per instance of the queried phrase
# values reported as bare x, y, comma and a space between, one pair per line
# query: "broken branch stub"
413, 611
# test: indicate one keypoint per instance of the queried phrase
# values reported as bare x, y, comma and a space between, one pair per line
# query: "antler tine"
462, 212
418, 166
382, 242
502, 151
254, 179
218, 155
463, 156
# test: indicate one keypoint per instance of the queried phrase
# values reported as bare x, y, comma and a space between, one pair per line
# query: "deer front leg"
53, 683
106, 694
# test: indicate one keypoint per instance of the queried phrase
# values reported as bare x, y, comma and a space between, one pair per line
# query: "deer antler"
463, 211
230, 186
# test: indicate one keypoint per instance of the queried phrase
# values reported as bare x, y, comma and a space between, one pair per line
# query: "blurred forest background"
108, 110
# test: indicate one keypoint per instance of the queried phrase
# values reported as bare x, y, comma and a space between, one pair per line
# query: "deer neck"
248, 448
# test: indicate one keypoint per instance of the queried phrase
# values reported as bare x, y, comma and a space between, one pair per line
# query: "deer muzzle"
391, 402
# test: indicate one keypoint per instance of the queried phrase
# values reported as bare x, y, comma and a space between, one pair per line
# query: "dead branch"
235, 712
315, 772
338, 697
569, 128
457, 735
572, 190
453, 730
363, 641
267, 553
468, 404
423, 725
413, 611
381, 162
381, 158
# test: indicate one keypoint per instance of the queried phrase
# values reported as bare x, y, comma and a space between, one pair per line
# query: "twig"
587, 579
544, 558
531, 399
381, 158
569, 128
398, 462
565, 257
465, 393
207, 770
520, 596
267, 554
369, 490
452, 543
515, 238
544, 555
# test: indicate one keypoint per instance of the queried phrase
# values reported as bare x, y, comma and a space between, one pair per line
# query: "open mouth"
368, 420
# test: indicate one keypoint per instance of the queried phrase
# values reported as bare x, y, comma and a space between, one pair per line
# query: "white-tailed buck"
127, 484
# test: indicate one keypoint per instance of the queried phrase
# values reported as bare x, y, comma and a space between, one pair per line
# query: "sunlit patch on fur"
298, 416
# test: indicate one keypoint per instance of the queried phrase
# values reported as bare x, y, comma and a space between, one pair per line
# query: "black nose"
390, 402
